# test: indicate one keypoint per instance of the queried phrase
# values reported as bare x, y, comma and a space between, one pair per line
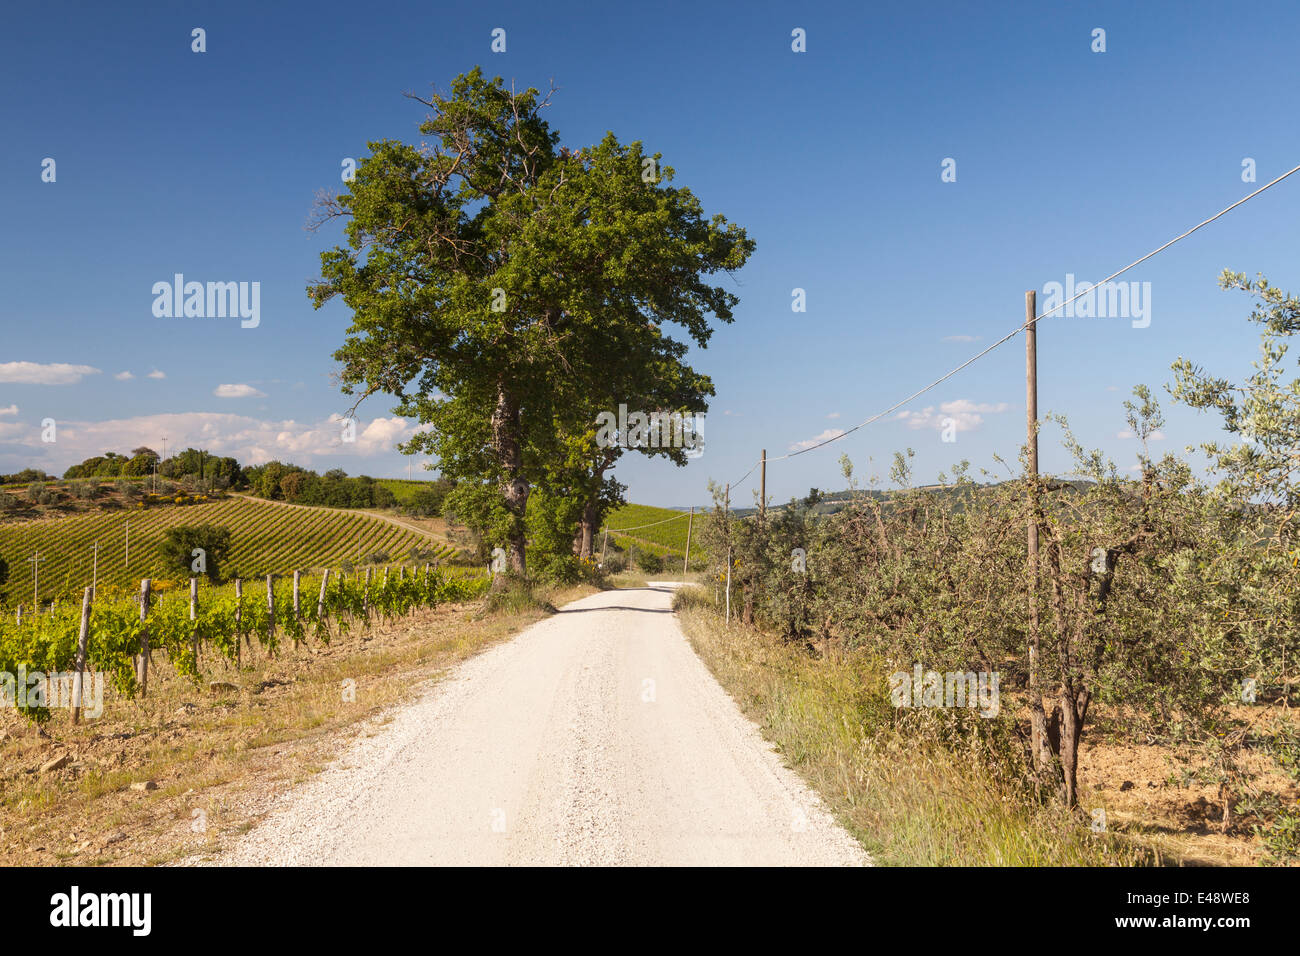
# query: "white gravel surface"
596, 736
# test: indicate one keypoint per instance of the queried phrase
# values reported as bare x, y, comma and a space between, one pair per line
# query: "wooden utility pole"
94, 567
726, 519
1037, 717
686, 560
762, 486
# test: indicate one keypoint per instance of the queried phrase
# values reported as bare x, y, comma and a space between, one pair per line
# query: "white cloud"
965, 415
252, 441
833, 415
11, 410
1156, 435
237, 391
817, 439
966, 405
34, 373
124, 376
156, 374
961, 338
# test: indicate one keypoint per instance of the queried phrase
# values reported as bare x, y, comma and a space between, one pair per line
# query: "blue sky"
1067, 162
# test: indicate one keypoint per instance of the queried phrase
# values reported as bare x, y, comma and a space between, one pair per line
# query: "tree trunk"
514, 488
1071, 730
587, 531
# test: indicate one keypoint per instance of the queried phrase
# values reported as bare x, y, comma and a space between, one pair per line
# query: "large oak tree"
501, 284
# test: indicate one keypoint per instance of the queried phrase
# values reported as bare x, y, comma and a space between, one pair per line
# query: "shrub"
180, 543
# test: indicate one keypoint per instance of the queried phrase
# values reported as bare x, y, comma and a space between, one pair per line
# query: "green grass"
403, 489
908, 798
265, 539
662, 539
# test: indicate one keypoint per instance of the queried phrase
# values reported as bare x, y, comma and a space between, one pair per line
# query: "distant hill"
266, 538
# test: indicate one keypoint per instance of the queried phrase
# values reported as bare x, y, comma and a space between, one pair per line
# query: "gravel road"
596, 736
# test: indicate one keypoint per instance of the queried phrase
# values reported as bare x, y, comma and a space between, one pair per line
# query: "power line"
1024, 325
650, 525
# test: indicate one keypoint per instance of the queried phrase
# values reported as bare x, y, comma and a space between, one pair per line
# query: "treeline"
26, 476
213, 471
195, 469
278, 481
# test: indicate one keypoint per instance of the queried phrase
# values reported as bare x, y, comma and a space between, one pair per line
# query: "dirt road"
594, 737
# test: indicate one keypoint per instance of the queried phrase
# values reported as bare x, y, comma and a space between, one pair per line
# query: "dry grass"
217, 763
907, 799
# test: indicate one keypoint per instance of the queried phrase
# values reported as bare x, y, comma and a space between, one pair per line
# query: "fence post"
687, 560
270, 607
728, 585
194, 600
365, 595
83, 638
320, 601
297, 612
239, 618
146, 586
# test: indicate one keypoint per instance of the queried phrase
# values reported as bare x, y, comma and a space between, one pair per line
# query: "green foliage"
191, 550
48, 642
1264, 410
502, 288
283, 482
1158, 598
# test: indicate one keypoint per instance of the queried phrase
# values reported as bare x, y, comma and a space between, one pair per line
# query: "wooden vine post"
83, 638
270, 607
194, 606
146, 588
320, 601
297, 608
239, 617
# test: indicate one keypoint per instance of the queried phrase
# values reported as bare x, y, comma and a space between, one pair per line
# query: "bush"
427, 502
614, 562
515, 596
649, 562
180, 543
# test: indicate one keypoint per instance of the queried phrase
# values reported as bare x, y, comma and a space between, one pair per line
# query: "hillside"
661, 530
266, 537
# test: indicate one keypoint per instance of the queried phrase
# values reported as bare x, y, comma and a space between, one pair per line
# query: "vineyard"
120, 640
659, 530
266, 538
